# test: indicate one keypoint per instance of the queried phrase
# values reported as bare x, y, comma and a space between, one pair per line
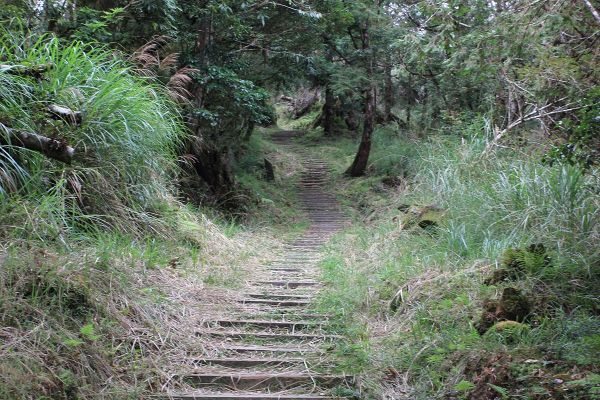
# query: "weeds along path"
266, 343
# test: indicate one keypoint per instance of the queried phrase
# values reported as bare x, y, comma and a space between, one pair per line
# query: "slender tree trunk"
410, 100
359, 165
388, 94
361, 159
328, 110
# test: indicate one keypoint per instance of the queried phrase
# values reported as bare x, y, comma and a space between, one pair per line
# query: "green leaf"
87, 331
464, 386
501, 391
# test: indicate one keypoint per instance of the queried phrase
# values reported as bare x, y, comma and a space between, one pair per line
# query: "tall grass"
493, 202
125, 147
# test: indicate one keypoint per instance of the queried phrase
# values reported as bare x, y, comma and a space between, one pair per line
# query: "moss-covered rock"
510, 331
518, 262
425, 217
512, 306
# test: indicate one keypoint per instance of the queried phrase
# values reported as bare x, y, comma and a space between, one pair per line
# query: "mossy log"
426, 217
512, 306
65, 114
56, 149
35, 71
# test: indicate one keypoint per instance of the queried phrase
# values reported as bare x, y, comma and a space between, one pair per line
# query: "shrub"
124, 148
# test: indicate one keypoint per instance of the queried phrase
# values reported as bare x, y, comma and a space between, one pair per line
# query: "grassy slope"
413, 299
115, 314
102, 270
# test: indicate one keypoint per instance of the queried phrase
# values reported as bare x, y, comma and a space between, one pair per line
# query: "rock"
510, 331
512, 306
517, 262
427, 217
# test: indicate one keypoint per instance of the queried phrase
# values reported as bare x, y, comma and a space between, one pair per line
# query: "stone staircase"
272, 346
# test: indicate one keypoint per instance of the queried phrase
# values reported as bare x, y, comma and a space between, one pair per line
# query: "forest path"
268, 344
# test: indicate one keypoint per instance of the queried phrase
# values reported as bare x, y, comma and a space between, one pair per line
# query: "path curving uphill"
270, 345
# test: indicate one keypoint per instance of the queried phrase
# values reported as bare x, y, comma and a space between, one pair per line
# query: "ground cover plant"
97, 252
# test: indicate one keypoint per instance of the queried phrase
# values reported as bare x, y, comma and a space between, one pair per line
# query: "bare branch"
594, 12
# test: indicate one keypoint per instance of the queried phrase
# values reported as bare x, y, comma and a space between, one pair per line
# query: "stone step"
265, 381
276, 303
273, 349
291, 325
274, 296
279, 337
246, 396
248, 362
288, 284
288, 269
284, 317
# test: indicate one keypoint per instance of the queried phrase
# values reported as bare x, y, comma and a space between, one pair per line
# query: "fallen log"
52, 148
65, 114
36, 71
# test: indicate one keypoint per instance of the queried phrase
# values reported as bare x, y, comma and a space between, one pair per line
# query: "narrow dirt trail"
270, 345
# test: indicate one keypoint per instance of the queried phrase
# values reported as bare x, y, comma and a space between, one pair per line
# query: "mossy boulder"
510, 331
427, 218
513, 305
518, 262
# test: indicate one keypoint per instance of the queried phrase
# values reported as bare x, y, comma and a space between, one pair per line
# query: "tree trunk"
593, 10
328, 110
410, 100
269, 171
361, 159
359, 165
213, 167
388, 93
249, 130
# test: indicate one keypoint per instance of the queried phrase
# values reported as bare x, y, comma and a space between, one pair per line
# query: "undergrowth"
414, 296
124, 148
102, 268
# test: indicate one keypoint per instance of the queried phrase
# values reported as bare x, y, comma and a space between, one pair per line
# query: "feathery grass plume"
125, 148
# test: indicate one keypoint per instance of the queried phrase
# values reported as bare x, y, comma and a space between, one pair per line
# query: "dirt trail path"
270, 345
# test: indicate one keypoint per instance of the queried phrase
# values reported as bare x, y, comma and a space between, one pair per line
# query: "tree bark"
213, 167
50, 147
269, 171
35, 71
65, 114
351, 120
361, 159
